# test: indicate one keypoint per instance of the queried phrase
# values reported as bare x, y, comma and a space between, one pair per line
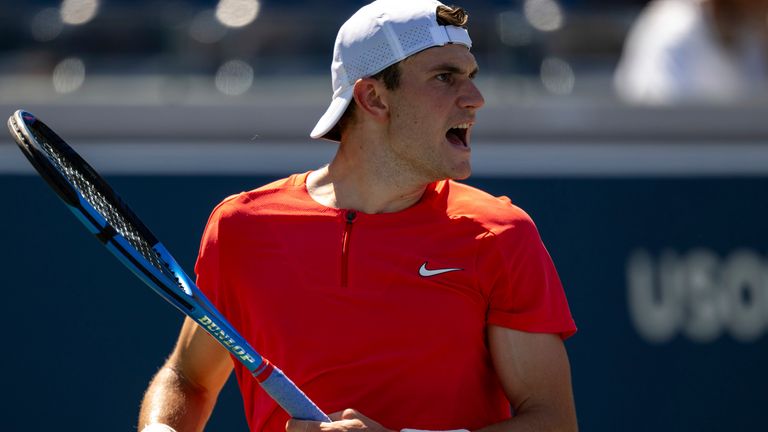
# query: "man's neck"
339, 186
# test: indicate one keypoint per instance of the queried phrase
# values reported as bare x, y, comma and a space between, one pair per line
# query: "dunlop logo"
225, 339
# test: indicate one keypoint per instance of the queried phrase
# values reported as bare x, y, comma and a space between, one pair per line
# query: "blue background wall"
84, 336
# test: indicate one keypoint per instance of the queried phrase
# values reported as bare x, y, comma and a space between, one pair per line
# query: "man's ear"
370, 96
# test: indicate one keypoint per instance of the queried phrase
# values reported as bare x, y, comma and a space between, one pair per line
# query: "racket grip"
291, 398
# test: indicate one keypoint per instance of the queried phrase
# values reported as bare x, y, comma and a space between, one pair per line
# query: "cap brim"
332, 115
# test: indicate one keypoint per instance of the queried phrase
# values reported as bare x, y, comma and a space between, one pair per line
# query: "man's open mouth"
458, 135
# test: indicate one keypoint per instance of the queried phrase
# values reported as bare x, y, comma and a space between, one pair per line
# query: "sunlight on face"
432, 113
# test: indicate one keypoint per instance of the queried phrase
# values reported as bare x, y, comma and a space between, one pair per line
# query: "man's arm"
536, 376
534, 371
183, 393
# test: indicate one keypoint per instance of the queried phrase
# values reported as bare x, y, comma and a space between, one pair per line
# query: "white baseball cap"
379, 35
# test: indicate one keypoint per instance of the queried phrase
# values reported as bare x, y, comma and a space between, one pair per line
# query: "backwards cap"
379, 35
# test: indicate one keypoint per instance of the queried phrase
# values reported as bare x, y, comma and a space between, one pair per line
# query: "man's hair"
390, 76
452, 15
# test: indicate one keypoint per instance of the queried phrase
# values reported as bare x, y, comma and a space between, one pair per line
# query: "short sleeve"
525, 292
207, 266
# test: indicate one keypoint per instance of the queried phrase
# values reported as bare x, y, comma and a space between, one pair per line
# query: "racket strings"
102, 205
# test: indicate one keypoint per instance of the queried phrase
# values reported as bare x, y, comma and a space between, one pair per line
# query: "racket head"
78, 184
118, 228
99, 208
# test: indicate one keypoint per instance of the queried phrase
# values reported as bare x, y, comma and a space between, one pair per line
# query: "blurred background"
634, 133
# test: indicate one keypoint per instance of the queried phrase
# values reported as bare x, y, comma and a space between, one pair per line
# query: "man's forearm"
175, 401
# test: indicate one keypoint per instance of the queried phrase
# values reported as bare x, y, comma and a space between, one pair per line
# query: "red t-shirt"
384, 313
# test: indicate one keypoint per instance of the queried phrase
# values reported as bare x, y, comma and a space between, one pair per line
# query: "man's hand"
344, 421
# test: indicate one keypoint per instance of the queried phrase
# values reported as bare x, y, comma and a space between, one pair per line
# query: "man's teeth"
462, 126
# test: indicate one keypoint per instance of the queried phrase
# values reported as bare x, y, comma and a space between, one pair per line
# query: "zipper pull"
351, 216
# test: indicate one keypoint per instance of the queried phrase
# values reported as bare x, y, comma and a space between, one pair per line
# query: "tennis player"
393, 295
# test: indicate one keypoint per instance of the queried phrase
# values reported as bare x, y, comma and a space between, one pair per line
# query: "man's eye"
445, 77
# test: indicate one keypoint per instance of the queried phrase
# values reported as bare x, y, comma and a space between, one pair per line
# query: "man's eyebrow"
452, 68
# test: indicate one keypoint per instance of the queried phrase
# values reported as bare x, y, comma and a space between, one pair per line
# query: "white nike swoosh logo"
425, 272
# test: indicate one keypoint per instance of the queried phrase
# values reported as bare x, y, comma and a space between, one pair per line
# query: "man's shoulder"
284, 193
496, 213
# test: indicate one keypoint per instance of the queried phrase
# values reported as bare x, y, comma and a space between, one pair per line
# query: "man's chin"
462, 174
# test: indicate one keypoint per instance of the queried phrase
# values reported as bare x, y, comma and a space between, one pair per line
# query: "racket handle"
291, 398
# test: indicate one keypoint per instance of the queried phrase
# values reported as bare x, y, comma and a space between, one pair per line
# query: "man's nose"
471, 97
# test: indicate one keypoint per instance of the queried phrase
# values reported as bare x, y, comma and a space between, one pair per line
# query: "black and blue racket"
105, 215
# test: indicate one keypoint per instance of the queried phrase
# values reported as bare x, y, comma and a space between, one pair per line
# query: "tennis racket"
107, 216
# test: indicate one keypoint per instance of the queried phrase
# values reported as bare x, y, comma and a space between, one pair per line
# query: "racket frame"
175, 286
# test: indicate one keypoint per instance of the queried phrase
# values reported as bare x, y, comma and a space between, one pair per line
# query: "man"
393, 297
